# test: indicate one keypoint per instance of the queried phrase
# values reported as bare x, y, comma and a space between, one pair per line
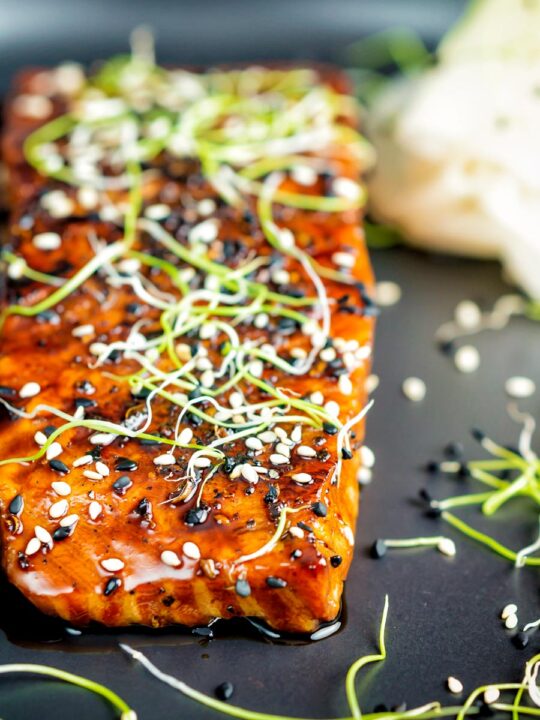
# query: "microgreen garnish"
120, 706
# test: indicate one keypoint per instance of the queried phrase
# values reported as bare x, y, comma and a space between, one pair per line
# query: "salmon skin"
185, 339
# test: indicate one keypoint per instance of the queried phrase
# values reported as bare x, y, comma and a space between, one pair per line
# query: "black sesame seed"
346, 454
329, 428
48, 430
125, 465
242, 587
122, 484
24, 564
432, 467
320, 509
424, 495
478, 434
196, 516
224, 691
521, 640
336, 560
144, 507
378, 549
112, 585
59, 466
296, 554
454, 451
228, 465
203, 632
271, 495
7, 391
195, 393
276, 582
16, 505
84, 402
61, 533
303, 526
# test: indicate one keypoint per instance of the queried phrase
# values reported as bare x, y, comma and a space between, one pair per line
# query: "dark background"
443, 612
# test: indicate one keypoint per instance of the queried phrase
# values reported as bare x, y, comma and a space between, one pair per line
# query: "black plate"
443, 612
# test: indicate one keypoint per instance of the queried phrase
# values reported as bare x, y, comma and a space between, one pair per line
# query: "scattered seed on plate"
468, 315
302, 478
510, 609
102, 469
446, 547
186, 436
249, 473
83, 460
491, 694
40, 438
94, 510
54, 450
387, 293
92, 475
43, 535
191, 550
69, 520
30, 389
279, 459
165, 459
520, 387
467, 359
454, 685
414, 389
112, 564
367, 456
170, 558
306, 451
511, 622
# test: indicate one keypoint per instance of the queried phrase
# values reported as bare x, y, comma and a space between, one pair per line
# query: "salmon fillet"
186, 336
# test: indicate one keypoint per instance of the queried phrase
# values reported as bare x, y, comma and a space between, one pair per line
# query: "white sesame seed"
345, 385
296, 532
414, 389
280, 432
54, 450
33, 106
69, 520
298, 353
327, 354
256, 368
30, 389
367, 456
206, 207
157, 212
317, 398
387, 293
47, 241
306, 451
261, 320
249, 473
364, 476
43, 535
454, 685
88, 197
467, 359
102, 469
112, 564
303, 174
102, 438
58, 205
202, 462
208, 331
349, 535
58, 509
186, 436
83, 460
280, 277
343, 259
203, 363
283, 449
40, 438
520, 387
33, 546
278, 459
511, 622
61, 488
92, 475
98, 348
296, 434
94, 510
468, 315
165, 459
446, 547
347, 188
253, 443
170, 558
491, 694
302, 478
208, 378
267, 436
372, 383
510, 609
332, 408
183, 351
205, 232
16, 269
191, 551
82, 330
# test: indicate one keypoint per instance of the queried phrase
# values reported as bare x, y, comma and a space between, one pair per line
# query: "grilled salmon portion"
186, 334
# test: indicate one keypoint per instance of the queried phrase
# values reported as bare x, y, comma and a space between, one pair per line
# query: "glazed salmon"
186, 336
